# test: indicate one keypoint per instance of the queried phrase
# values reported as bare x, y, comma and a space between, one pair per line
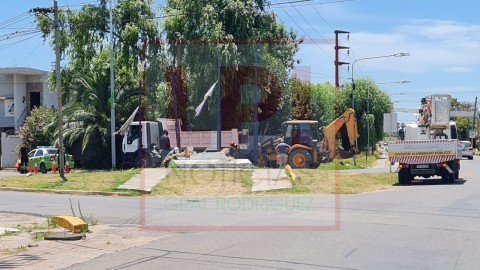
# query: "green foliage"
324, 103
37, 129
464, 124
301, 99
369, 100
84, 42
234, 31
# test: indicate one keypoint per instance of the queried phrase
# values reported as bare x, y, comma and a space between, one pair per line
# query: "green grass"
39, 236
342, 182
82, 180
204, 183
348, 164
330, 178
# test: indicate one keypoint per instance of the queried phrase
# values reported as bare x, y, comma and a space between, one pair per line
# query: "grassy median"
103, 181
341, 182
204, 183
207, 182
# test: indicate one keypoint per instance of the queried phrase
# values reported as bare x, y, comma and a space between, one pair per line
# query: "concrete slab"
270, 179
144, 181
9, 230
213, 163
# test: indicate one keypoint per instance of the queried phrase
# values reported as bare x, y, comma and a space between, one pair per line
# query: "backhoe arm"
330, 133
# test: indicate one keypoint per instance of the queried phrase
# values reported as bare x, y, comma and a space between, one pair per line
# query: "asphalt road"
424, 226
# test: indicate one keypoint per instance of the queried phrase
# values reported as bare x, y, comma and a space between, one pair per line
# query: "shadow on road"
433, 181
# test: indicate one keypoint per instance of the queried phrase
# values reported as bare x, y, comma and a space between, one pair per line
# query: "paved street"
424, 226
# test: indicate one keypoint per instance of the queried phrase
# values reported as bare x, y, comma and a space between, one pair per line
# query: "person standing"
24, 158
282, 150
164, 144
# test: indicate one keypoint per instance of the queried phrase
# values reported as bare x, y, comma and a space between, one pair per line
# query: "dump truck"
306, 151
430, 146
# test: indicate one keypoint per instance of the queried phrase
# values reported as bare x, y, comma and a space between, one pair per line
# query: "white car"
467, 150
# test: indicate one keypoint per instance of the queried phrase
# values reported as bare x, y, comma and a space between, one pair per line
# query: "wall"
49, 97
6, 86
8, 155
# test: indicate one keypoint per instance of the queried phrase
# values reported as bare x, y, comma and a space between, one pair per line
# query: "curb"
70, 192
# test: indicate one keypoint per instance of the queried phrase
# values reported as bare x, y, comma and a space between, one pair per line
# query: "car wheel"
43, 168
470, 157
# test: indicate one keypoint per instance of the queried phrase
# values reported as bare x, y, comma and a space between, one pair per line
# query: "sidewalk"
270, 179
21, 250
145, 180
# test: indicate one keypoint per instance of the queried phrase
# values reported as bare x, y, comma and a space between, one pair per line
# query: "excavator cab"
302, 136
303, 132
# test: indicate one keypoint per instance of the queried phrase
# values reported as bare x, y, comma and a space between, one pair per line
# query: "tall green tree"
301, 99
201, 32
323, 103
370, 103
85, 39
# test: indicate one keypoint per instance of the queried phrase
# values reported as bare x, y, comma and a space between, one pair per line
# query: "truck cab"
150, 132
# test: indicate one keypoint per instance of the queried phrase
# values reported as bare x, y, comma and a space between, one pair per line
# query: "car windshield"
466, 144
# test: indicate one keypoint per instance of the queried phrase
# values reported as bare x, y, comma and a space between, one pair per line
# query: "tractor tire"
43, 169
299, 158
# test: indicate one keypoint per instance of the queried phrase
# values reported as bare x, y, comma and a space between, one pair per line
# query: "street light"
372, 57
353, 81
368, 113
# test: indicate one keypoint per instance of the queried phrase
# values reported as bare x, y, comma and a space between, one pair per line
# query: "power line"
306, 34
312, 4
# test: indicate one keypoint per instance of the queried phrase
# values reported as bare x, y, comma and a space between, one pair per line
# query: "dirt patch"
22, 250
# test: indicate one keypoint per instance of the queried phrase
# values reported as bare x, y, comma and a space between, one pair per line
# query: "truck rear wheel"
401, 177
408, 178
404, 177
299, 158
448, 178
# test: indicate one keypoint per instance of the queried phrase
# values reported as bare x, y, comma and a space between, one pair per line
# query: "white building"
21, 90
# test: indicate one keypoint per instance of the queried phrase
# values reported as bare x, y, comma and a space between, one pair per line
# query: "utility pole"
58, 83
337, 62
337, 75
219, 104
112, 96
58, 87
473, 124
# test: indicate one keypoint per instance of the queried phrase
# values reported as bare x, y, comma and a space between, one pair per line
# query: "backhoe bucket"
345, 154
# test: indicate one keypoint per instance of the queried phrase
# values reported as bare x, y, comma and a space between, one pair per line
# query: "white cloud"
441, 46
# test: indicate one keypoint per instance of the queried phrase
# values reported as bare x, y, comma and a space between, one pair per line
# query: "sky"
442, 37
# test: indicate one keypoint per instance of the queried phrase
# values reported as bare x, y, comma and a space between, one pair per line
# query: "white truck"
152, 131
430, 147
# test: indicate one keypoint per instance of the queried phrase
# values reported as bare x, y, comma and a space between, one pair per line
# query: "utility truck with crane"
430, 146
142, 151
305, 149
